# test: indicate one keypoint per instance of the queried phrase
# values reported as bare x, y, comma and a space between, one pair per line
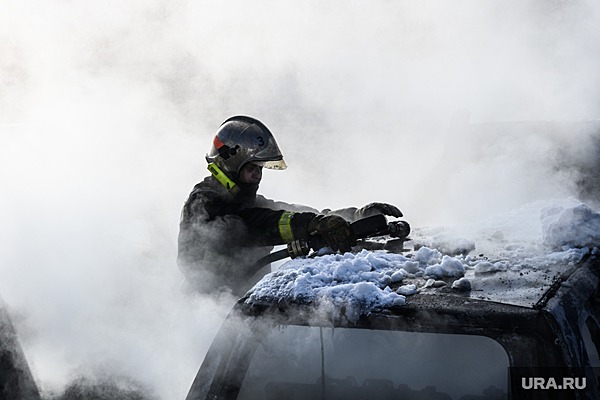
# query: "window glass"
589, 331
297, 362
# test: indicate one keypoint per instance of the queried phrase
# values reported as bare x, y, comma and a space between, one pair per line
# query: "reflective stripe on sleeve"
285, 226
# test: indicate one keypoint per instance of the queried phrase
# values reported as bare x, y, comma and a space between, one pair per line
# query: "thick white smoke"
107, 109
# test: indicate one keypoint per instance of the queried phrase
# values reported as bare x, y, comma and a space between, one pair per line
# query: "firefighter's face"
251, 173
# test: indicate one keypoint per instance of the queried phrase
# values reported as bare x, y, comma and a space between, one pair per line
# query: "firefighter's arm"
280, 227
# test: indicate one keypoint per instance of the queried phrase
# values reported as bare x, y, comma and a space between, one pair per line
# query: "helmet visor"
279, 164
267, 153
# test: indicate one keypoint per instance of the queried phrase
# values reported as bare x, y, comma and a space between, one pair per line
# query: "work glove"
378, 208
334, 229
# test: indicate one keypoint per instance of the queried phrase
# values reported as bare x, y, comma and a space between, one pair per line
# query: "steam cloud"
107, 109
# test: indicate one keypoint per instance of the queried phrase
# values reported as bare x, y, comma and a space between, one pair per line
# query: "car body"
517, 333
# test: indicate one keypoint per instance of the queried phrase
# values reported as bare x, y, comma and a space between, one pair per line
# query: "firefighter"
226, 226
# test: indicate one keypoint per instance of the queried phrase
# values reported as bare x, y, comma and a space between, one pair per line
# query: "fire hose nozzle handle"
298, 248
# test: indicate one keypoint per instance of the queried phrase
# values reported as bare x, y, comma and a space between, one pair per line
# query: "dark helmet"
241, 140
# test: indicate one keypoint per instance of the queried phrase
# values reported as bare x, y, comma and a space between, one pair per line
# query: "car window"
302, 362
590, 332
591, 337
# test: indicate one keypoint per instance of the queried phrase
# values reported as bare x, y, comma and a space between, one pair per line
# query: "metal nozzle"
298, 248
399, 229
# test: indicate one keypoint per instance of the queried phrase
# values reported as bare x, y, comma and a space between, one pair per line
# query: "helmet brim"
278, 164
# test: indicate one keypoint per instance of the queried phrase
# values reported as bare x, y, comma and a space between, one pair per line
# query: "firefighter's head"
244, 145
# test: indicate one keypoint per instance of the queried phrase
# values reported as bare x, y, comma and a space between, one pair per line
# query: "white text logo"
551, 383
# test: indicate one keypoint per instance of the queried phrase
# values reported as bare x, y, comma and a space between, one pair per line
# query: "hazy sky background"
107, 110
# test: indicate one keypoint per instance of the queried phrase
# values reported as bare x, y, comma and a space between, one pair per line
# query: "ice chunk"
462, 284
449, 267
432, 283
407, 290
485, 267
575, 227
411, 266
398, 276
427, 256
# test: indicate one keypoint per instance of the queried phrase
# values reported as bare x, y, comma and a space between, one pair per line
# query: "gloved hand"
334, 229
378, 208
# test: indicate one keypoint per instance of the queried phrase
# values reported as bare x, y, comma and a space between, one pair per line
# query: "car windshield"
300, 362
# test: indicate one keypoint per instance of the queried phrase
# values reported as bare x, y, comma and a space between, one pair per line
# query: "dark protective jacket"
221, 236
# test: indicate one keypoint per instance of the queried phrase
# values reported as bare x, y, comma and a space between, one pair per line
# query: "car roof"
515, 291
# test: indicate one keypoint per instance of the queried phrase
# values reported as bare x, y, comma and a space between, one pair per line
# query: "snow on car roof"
498, 266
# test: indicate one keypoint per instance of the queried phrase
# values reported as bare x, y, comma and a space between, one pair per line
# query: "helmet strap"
223, 179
